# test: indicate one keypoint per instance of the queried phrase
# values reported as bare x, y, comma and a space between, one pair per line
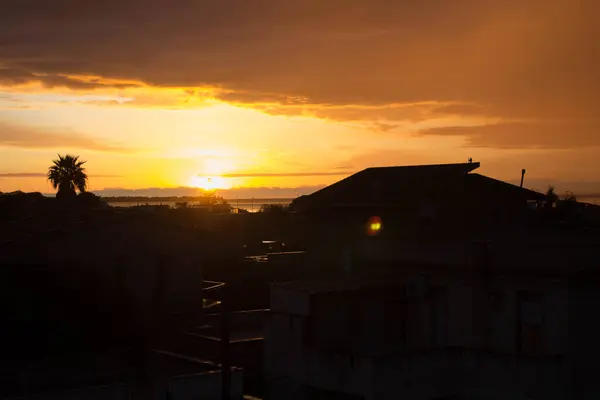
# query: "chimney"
523, 176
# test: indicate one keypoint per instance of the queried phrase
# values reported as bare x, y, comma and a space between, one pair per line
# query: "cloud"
410, 112
285, 174
22, 175
515, 59
16, 76
38, 138
550, 134
43, 175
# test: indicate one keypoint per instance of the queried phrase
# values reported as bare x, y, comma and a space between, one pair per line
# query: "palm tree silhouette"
66, 175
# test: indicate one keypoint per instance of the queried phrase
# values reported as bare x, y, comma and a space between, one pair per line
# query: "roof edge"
470, 166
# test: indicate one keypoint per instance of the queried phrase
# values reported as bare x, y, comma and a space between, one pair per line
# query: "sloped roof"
377, 184
485, 183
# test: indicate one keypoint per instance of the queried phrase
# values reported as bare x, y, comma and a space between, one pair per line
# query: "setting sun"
209, 182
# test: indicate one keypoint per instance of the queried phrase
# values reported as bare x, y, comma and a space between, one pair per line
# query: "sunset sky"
298, 93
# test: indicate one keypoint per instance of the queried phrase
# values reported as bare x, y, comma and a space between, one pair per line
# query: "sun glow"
209, 182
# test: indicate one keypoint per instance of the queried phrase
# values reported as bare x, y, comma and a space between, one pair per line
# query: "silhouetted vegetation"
551, 197
181, 204
19, 204
570, 196
206, 198
219, 204
67, 174
90, 200
273, 208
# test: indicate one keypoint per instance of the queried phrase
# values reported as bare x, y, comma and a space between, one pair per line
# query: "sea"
252, 205
589, 199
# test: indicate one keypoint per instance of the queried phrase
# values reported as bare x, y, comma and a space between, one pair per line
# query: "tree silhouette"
551, 197
67, 174
273, 208
570, 196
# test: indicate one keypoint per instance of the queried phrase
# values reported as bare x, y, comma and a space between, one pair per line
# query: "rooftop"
389, 184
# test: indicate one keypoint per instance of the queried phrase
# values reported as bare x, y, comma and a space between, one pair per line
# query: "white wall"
289, 301
290, 364
473, 375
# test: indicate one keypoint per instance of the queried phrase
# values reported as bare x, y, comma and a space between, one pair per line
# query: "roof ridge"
476, 165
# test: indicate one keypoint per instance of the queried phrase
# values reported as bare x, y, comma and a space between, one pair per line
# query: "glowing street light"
374, 226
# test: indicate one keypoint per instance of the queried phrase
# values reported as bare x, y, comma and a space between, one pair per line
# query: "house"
444, 194
434, 284
434, 332
447, 204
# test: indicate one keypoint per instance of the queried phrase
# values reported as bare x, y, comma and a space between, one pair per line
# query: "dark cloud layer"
516, 59
555, 134
14, 76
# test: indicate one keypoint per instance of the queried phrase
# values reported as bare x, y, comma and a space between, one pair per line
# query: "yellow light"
374, 226
209, 182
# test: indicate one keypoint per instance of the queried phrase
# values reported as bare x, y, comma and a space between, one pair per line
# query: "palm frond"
67, 173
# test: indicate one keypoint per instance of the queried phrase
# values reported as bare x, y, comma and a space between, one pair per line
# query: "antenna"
523, 176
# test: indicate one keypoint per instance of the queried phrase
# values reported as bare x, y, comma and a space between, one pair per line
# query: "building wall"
460, 321
584, 340
436, 324
503, 316
283, 353
468, 374
289, 301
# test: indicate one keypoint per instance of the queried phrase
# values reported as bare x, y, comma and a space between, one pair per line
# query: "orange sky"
300, 94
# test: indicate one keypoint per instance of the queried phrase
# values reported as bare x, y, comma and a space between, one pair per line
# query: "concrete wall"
556, 340
284, 346
289, 301
340, 373
584, 341
469, 374
503, 319
435, 369
460, 320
